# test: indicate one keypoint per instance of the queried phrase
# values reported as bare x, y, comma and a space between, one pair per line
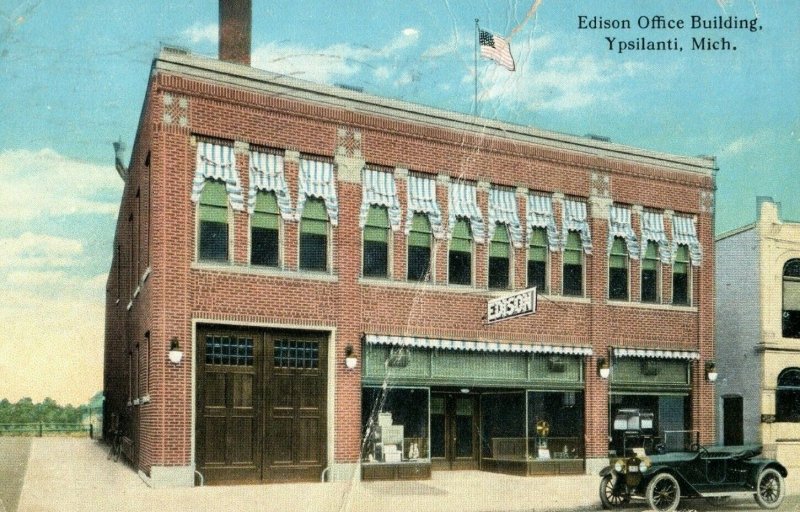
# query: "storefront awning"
656, 354
475, 346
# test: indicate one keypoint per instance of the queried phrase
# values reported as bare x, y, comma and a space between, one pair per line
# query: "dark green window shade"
573, 249
538, 248
619, 256
462, 237
377, 226
420, 234
681, 260
500, 245
214, 202
650, 261
266, 211
315, 218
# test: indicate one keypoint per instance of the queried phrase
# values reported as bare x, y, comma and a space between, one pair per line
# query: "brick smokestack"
235, 23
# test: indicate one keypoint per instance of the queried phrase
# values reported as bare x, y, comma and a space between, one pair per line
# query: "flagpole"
477, 37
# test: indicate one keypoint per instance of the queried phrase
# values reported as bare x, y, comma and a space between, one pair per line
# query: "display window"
395, 425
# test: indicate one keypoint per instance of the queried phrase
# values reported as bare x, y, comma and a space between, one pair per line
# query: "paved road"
14, 452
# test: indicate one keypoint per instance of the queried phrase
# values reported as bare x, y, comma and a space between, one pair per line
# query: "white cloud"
41, 183
199, 33
453, 45
746, 143
332, 63
31, 250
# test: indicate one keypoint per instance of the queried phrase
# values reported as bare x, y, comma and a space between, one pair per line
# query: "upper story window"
215, 186
213, 232
380, 215
314, 236
791, 299
573, 265
687, 253
424, 221
265, 230
459, 258
787, 396
542, 235
577, 242
499, 258
419, 248
465, 225
651, 273
622, 246
538, 260
681, 277
317, 209
618, 270
376, 242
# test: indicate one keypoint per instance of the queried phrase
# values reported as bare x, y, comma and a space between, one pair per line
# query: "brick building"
322, 260
758, 324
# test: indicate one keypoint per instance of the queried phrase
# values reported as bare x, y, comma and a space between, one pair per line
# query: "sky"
73, 76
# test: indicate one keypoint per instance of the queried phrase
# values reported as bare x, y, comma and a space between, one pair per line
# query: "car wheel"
609, 497
770, 489
663, 492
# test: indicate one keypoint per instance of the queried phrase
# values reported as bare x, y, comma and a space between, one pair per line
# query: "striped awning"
475, 346
684, 233
619, 225
653, 230
576, 219
380, 190
503, 210
218, 162
422, 199
656, 354
317, 180
266, 173
540, 215
463, 202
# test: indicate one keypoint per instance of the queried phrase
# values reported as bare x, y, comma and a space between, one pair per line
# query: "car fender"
687, 489
606, 471
757, 466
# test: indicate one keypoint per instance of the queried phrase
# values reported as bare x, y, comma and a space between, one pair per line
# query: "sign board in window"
510, 306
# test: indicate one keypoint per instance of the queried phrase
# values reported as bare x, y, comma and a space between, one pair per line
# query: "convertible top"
744, 451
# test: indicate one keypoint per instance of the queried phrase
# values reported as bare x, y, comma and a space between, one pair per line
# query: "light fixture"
465, 390
350, 359
711, 371
602, 368
175, 352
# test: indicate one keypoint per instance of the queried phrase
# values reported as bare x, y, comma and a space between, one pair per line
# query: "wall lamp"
175, 352
711, 371
603, 368
350, 359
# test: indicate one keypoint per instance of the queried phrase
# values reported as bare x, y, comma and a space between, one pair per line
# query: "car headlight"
644, 465
619, 466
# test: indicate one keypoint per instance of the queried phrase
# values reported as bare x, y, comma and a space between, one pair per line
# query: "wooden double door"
454, 430
261, 405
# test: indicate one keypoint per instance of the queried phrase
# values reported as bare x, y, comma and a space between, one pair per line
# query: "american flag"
496, 48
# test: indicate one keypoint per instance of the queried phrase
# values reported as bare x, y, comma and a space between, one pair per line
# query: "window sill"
649, 305
130, 305
567, 298
419, 285
265, 271
137, 291
146, 274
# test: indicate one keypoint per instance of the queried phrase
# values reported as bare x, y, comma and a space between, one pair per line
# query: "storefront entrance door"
454, 431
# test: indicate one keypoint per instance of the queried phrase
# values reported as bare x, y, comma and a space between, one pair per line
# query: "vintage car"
715, 473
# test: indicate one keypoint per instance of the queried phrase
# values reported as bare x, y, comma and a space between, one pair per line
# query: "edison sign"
510, 306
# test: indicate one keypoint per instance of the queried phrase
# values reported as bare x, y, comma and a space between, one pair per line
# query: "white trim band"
475, 346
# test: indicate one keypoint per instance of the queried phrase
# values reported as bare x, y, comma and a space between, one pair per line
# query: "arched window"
787, 396
791, 299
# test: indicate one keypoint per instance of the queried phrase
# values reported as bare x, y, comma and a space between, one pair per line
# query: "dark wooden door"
229, 418
454, 431
295, 439
732, 420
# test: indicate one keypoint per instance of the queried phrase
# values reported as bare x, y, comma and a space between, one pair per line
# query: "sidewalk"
73, 474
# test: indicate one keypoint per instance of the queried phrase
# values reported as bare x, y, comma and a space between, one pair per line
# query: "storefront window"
555, 425
644, 421
503, 427
395, 424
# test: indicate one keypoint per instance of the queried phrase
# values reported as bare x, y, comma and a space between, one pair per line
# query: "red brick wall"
175, 293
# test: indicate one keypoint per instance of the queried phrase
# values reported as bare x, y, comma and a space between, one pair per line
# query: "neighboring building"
758, 326
322, 260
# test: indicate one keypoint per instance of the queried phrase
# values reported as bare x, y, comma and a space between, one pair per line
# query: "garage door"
261, 403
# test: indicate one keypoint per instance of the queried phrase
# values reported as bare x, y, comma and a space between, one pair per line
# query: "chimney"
235, 20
